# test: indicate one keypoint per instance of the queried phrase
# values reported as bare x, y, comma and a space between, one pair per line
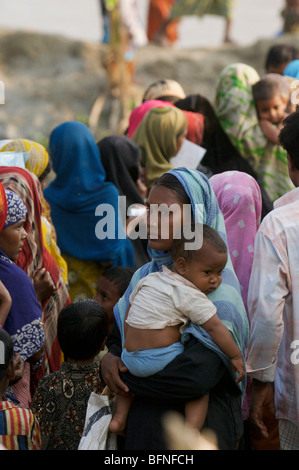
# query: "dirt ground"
50, 79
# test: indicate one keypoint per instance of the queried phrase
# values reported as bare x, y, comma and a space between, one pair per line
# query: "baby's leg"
119, 419
196, 411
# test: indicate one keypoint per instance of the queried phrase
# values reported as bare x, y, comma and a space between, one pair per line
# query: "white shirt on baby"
166, 298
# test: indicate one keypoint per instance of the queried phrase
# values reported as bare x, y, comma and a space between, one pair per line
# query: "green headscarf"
157, 136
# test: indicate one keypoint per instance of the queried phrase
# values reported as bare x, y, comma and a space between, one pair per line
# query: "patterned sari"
23, 321
35, 256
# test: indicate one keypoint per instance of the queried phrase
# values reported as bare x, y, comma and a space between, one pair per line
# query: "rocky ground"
50, 79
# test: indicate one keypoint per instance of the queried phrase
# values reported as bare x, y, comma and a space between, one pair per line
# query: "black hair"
209, 235
167, 180
280, 54
266, 88
121, 276
289, 137
81, 329
6, 352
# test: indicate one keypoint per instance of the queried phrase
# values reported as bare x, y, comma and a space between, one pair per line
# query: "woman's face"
12, 239
165, 215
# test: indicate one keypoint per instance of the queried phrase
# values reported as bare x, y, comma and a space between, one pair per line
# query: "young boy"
61, 398
271, 95
161, 306
111, 287
19, 429
279, 56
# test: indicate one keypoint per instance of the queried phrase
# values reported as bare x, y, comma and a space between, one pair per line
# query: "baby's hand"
238, 366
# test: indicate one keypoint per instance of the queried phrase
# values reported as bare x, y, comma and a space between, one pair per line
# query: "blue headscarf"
227, 297
292, 69
78, 189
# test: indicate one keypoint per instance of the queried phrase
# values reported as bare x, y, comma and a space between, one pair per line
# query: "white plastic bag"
96, 435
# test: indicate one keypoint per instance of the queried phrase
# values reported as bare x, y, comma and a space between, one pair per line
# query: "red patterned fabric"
3, 207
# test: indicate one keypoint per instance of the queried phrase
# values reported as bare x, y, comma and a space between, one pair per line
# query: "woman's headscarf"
227, 298
157, 136
38, 162
237, 114
16, 209
138, 113
165, 90
121, 157
292, 69
195, 128
35, 256
239, 199
3, 207
23, 322
76, 192
38, 158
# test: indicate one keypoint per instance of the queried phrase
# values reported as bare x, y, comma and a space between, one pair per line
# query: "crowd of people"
97, 295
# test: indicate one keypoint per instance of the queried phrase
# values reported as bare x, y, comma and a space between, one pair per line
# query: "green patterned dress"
236, 112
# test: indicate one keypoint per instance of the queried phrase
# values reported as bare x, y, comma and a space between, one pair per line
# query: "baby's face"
272, 110
205, 272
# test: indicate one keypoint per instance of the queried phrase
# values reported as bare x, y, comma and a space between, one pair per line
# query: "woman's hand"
262, 396
43, 285
110, 367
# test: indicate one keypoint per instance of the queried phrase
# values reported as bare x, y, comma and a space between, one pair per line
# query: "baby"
271, 95
161, 306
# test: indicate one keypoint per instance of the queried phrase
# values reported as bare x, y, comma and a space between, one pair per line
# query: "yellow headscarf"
37, 163
38, 156
157, 136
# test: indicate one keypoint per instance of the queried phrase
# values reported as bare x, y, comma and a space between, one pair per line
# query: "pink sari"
239, 199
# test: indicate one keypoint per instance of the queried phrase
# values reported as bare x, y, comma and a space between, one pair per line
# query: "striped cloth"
202, 7
273, 304
19, 429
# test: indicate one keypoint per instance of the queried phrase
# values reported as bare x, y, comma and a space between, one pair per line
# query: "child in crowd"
111, 286
279, 56
271, 95
19, 429
161, 306
61, 398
